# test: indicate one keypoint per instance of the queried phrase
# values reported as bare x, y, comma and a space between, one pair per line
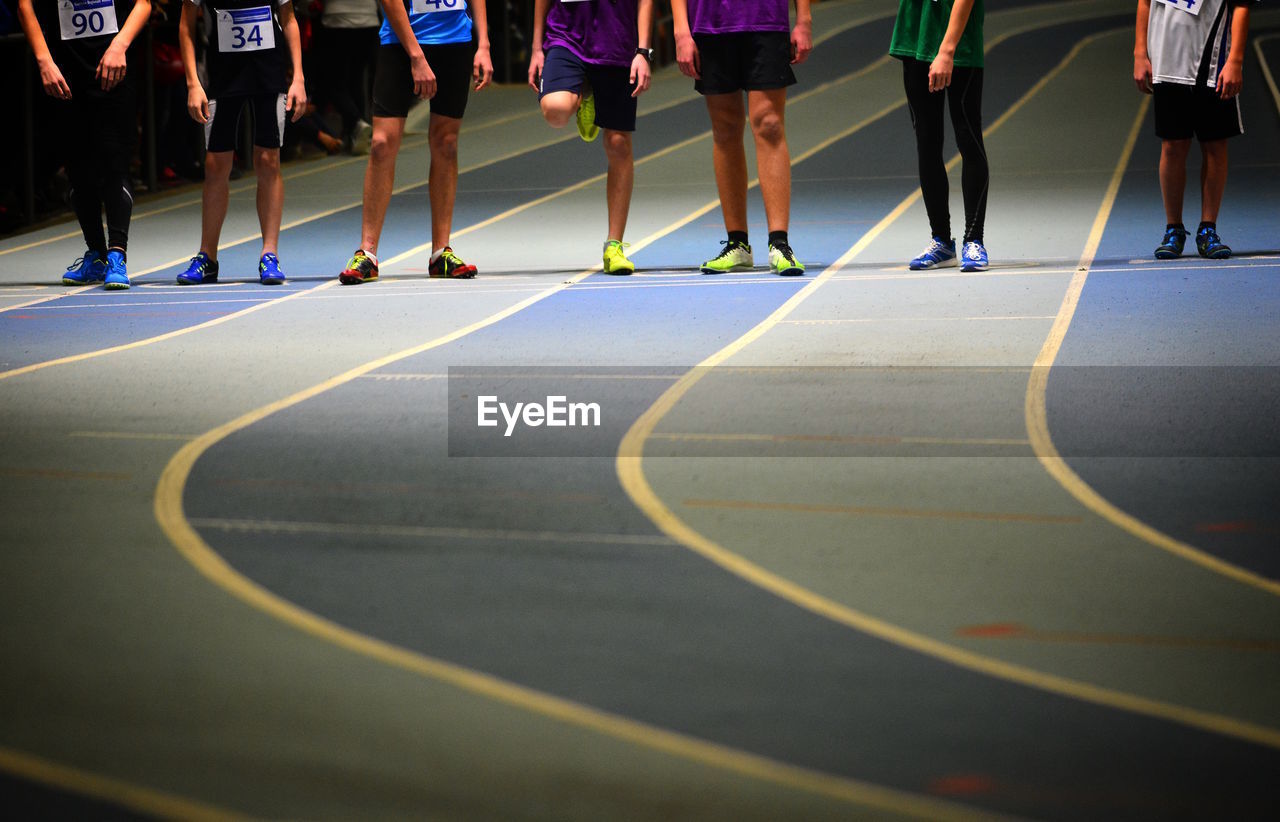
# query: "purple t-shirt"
729, 16
603, 32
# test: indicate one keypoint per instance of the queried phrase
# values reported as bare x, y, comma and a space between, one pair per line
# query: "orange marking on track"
962, 784
1012, 630
998, 629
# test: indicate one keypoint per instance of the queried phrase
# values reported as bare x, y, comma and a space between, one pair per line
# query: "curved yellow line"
1037, 419
630, 472
172, 518
107, 789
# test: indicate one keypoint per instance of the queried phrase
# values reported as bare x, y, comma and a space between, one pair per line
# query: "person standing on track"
940, 45
81, 49
427, 53
251, 49
596, 63
1189, 54
732, 46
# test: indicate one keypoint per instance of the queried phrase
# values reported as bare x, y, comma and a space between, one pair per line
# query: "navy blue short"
562, 70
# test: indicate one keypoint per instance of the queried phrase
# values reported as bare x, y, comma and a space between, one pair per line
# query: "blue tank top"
436, 22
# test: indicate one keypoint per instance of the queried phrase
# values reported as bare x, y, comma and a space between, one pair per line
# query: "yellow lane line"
1266, 69
631, 475
136, 798
1037, 419
879, 511
101, 352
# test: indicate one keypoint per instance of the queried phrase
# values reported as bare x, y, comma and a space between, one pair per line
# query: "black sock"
1204, 225
778, 238
1178, 226
738, 237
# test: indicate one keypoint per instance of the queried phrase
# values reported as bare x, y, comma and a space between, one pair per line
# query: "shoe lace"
730, 246
785, 250
972, 250
76, 265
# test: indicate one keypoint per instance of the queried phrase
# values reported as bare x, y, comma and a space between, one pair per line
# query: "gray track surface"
846, 586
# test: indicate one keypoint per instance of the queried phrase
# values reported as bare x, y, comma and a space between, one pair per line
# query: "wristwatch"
646, 54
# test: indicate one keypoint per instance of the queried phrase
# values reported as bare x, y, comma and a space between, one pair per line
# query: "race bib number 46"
1189, 6
246, 29
433, 6
86, 18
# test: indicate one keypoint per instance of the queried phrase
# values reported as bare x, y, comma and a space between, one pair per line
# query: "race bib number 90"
246, 30
1189, 6
86, 18
433, 6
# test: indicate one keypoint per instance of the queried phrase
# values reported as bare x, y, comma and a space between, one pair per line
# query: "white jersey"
1186, 37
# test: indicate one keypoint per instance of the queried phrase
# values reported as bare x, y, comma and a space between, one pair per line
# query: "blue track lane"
1207, 432
652, 631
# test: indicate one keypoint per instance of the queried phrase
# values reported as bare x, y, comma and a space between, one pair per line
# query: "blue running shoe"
1171, 246
973, 258
200, 270
87, 270
1210, 245
269, 272
938, 253
117, 278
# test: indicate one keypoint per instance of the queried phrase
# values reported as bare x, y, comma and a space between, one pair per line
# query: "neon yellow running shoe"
783, 261
735, 256
587, 128
615, 261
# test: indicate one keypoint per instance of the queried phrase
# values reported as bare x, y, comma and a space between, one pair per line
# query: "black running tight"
103, 131
964, 98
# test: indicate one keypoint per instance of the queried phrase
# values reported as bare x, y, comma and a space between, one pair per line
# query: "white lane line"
426, 532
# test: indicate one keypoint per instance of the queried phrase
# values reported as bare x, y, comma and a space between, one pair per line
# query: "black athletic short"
1183, 112
393, 80
749, 60
221, 131
562, 70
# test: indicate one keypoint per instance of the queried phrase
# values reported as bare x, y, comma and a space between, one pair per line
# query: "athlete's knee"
557, 111
266, 160
726, 129
444, 145
1175, 149
217, 164
617, 145
768, 127
383, 146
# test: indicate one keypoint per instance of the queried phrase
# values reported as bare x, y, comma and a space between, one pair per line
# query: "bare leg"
379, 179
213, 206
728, 121
1173, 177
266, 161
1213, 178
621, 179
442, 185
559, 107
773, 158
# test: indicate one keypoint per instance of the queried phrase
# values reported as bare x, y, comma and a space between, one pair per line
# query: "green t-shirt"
922, 24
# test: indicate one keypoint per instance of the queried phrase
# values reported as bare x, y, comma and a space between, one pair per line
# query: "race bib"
246, 30
433, 6
1191, 7
87, 18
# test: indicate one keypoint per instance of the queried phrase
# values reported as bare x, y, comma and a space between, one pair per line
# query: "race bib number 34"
246, 29
1191, 7
86, 18
433, 6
